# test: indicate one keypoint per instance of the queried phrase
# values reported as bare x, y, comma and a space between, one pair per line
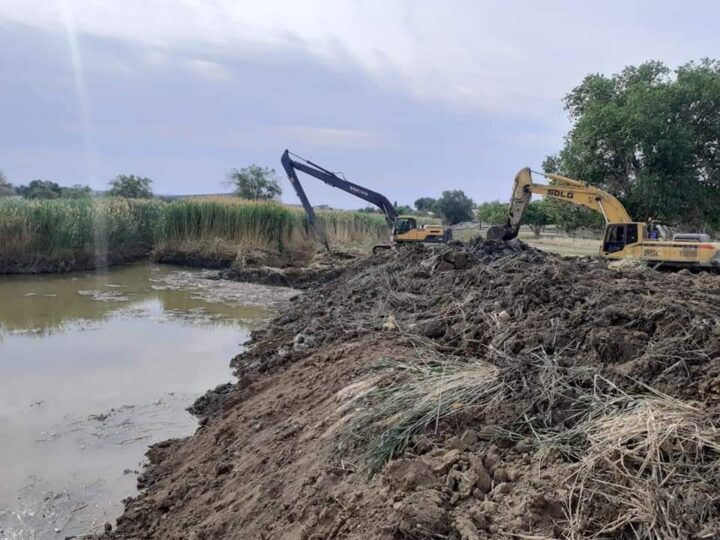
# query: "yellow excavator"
403, 229
623, 238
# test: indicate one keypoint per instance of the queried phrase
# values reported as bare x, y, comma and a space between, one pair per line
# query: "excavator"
623, 238
404, 229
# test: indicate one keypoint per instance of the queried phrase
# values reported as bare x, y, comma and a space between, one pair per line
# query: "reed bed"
76, 227
260, 224
73, 229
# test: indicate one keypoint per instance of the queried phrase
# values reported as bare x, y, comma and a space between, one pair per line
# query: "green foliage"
129, 186
404, 209
492, 213
570, 218
260, 223
425, 204
537, 215
255, 183
651, 138
6, 188
454, 207
40, 189
76, 227
76, 192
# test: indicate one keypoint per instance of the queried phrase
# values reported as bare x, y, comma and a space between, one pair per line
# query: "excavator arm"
308, 167
562, 188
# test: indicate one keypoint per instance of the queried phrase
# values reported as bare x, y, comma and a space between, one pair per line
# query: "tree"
492, 213
651, 138
454, 207
6, 188
255, 183
425, 204
76, 192
403, 209
40, 189
537, 215
130, 186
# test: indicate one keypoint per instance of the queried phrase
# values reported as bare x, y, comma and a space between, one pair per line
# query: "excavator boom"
308, 167
565, 189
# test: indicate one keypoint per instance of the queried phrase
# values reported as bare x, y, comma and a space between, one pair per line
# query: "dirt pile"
464, 392
296, 269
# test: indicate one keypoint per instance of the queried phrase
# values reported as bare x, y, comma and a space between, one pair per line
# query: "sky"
406, 97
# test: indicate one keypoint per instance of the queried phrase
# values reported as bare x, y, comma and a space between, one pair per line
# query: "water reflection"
41, 305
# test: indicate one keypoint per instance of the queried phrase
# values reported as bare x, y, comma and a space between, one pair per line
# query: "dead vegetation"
493, 389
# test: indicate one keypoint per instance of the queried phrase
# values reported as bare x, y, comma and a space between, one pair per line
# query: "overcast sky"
406, 97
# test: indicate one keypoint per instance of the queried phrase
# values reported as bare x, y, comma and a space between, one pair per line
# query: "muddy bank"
48, 264
467, 392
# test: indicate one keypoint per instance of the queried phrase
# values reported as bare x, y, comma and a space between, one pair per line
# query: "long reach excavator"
650, 242
404, 229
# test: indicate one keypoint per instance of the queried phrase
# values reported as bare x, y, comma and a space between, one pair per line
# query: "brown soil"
68, 262
274, 456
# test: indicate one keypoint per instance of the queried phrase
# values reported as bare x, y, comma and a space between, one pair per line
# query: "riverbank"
463, 392
51, 236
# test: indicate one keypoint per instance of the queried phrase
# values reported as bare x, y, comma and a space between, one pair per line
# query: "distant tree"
76, 192
455, 207
40, 189
492, 213
537, 216
425, 204
370, 210
255, 183
130, 186
403, 209
6, 188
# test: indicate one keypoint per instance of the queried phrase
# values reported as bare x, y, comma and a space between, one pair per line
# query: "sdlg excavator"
623, 238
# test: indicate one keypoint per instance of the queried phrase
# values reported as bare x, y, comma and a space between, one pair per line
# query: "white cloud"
210, 70
492, 55
310, 136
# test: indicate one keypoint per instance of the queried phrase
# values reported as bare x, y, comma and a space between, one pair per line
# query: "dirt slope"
548, 397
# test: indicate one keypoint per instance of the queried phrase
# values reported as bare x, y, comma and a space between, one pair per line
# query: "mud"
275, 456
41, 264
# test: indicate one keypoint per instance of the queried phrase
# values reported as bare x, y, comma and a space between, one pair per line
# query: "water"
94, 368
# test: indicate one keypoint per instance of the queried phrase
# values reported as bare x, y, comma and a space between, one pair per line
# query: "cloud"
510, 57
210, 70
310, 136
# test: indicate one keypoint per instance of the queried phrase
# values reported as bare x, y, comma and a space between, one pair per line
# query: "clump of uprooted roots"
423, 391
647, 468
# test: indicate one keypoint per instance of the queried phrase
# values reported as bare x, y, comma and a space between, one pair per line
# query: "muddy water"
93, 369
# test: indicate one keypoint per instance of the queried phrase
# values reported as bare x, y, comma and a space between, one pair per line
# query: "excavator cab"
619, 235
403, 225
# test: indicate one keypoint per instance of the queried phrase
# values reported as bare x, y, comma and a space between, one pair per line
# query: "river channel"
94, 368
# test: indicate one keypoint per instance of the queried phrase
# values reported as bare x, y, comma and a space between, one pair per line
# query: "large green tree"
651, 137
454, 207
255, 183
130, 186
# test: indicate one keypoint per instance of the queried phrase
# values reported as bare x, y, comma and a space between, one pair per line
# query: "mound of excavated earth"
584, 402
